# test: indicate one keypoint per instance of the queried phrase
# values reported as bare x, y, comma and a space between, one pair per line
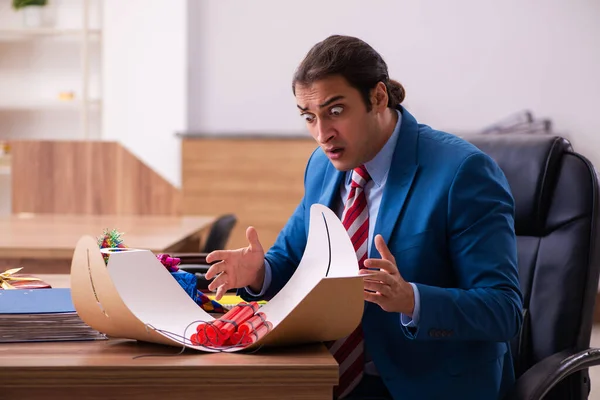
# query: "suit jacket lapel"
400, 178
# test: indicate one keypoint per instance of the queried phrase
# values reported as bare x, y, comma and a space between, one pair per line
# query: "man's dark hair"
354, 60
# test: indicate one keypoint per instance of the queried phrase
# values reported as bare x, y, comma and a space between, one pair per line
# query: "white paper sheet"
328, 252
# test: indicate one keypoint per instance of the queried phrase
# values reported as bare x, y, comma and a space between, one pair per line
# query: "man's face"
337, 119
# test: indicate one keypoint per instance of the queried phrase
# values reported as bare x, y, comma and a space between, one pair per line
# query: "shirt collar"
379, 166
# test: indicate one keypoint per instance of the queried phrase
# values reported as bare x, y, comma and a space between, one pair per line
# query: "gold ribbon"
7, 276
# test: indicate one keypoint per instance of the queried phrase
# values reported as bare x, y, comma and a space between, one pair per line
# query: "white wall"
464, 63
145, 80
34, 69
226, 66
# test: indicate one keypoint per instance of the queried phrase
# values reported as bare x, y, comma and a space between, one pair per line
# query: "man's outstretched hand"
237, 268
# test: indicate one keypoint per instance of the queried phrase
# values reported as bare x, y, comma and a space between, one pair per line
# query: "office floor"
595, 372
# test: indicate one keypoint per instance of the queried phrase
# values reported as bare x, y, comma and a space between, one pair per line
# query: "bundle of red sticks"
240, 326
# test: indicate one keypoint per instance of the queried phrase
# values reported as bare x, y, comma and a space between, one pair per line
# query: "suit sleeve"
285, 254
487, 302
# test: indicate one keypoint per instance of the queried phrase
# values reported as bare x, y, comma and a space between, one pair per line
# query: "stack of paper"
41, 315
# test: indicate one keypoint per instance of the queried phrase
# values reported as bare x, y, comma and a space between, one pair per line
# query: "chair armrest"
537, 381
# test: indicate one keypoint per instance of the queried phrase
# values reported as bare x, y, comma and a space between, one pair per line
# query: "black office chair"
219, 233
216, 240
556, 208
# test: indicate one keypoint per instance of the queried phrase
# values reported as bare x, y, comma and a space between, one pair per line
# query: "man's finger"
221, 291
217, 255
379, 276
221, 279
252, 236
214, 270
386, 254
384, 265
373, 297
382, 288
373, 286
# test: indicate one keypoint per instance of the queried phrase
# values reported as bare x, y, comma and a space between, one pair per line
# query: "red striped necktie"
349, 351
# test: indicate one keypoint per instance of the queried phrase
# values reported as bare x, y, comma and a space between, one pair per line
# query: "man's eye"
308, 117
336, 110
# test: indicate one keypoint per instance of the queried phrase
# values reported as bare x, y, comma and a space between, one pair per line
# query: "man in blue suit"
444, 300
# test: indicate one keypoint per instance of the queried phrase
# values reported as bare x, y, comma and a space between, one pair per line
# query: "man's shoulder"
445, 154
444, 146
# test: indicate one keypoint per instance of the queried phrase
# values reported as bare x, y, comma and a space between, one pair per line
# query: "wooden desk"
107, 370
45, 243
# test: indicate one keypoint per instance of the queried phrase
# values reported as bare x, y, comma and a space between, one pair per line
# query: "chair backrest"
556, 211
219, 233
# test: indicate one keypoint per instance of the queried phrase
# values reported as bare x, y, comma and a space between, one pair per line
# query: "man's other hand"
384, 285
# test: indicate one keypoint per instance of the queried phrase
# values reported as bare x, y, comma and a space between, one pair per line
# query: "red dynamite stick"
242, 335
237, 338
246, 313
243, 316
201, 327
229, 315
201, 333
223, 329
252, 324
213, 330
194, 339
201, 337
216, 341
259, 333
217, 335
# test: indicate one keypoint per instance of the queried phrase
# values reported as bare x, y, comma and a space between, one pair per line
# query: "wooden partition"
260, 179
93, 178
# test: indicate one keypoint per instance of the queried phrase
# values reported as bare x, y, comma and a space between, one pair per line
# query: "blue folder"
36, 301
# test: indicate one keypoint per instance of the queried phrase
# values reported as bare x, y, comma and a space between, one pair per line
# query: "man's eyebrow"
325, 104
331, 100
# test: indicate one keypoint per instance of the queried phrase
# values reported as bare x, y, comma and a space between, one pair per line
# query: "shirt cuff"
414, 321
266, 282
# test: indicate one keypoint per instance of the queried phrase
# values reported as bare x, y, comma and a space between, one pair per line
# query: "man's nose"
324, 131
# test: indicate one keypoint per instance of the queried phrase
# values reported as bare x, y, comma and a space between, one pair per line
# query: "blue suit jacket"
447, 217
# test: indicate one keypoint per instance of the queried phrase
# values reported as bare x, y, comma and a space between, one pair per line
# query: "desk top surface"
55, 236
87, 363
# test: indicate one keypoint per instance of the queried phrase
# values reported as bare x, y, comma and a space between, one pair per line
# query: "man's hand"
388, 288
237, 268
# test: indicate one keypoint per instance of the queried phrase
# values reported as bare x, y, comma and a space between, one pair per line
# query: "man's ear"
379, 97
